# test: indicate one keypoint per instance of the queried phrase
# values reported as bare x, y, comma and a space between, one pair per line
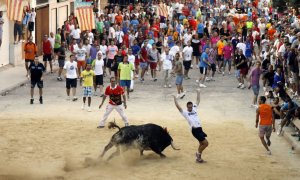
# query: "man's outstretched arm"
176, 103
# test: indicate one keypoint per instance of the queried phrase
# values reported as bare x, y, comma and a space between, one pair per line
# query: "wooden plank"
297, 123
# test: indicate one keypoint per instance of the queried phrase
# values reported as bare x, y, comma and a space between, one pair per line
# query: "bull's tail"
113, 125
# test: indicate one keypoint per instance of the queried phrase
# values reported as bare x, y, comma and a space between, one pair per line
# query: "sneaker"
207, 79
279, 131
31, 101
200, 161
165, 86
41, 100
155, 79
89, 109
197, 81
126, 124
202, 85
68, 98
170, 86
100, 127
269, 153
223, 73
211, 79
182, 95
178, 96
74, 98
83, 106
240, 84
198, 155
229, 73
136, 76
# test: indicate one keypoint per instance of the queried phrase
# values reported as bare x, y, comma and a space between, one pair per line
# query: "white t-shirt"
72, 27
71, 68
264, 44
98, 69
167, 61
187, 53
131, 58
112, 16
76, 33
186, 38
180, 6
192, 117
262, 28
91, 37
174, 50
80, 54
131, 39
112, 33
52, 41
103, 50
32, 16
87, 48
119, 36
242, 46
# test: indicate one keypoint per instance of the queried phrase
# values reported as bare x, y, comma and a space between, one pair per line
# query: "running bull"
142, 137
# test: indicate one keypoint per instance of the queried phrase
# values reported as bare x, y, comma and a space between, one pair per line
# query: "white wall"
4, 49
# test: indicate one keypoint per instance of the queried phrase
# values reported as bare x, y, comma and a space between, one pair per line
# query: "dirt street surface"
58, 140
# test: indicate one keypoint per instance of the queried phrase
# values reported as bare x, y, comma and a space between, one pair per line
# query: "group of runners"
238, 37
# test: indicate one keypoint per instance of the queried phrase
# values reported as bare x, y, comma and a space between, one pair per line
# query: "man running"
265, 118
115, 93
191, 115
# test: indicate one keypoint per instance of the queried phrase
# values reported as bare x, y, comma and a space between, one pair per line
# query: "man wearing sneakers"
71, 75
265, 120
191, 115
87, 76
203, 66
61, 56
178, 70
124, 71
115, 93
167, 60
187, 53
36, 73
98, 67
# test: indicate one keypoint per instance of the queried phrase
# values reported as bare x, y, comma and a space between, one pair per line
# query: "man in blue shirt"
200, 29
203, 66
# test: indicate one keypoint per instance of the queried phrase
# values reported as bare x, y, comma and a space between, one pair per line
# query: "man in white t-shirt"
175, 49
98, 66
76, 34
103, 50
167, 60
241, 46
131, 59
71, 75
112, 33
187, 54
187, 37
81, 54
32, 15
191, 115
119, 37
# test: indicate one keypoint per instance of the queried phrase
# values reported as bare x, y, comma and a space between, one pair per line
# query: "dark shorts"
56, 50
39, 84
153, 65
47, 57
30, 26
187, 64
61, 63
200, 35
17, 29
199, 134
109, 63
71, 83
213, 67
196, 54
203, 70
220, 58
99, 80
125, 83
244, 71
28, 60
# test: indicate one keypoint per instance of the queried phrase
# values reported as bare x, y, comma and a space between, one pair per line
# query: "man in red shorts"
115, 93
153, 60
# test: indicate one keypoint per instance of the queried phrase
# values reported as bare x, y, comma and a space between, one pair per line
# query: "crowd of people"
250, 39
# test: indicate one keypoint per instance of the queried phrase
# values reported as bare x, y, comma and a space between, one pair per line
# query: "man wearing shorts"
254, 82
81, 54
265, 120
98, 67
112, 50
220, 46
61, 56
187, 54
143, 60
178, 70
47, 53
30, 50
57, 43
36, 75
71, 75
203, 66
124, 70
18, 31
87, 76
154, 58
115, 93
191, 115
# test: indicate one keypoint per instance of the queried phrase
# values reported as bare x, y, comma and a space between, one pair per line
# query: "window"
38, 2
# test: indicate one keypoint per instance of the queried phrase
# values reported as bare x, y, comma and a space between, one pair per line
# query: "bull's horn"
174, 146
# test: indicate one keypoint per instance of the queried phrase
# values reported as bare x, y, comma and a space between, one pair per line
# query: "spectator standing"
36, 75
87, 77
30, 50
71, 75
47, 53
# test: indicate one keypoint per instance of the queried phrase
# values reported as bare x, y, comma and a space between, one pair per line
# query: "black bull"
142, 137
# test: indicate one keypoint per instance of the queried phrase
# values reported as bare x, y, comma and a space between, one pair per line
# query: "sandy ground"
58, 140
